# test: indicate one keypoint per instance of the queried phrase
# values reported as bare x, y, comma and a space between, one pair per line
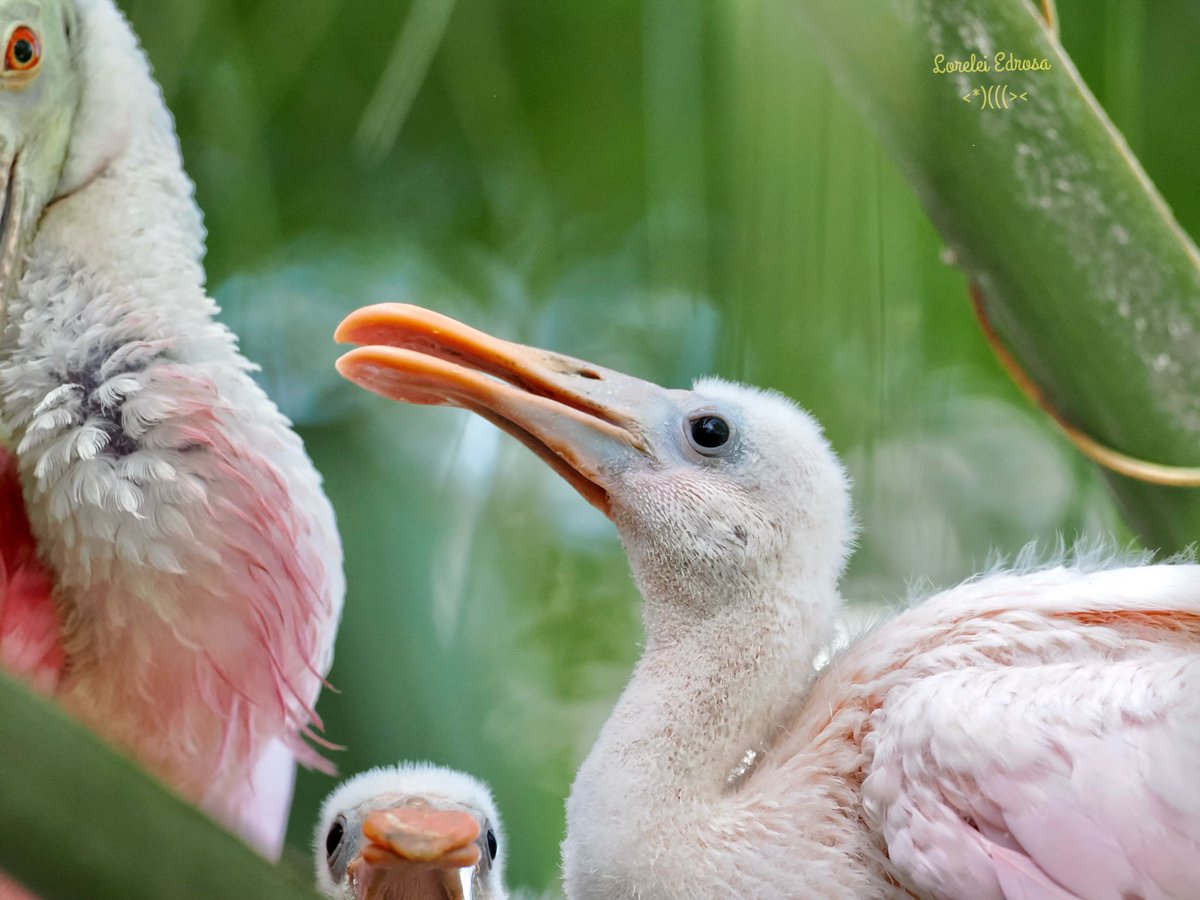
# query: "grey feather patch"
105, 382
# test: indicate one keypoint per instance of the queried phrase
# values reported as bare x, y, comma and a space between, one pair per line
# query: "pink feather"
1040, 753
29, 624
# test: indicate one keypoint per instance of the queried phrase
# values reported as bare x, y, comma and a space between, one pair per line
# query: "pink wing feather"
29, 625
1044, 782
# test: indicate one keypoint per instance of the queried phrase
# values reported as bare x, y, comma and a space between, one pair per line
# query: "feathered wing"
196, 554
290, 605
1057, 780
30, 631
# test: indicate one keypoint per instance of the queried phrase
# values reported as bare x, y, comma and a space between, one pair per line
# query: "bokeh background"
667, 187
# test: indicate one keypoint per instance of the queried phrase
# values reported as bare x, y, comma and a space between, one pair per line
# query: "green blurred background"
667, 187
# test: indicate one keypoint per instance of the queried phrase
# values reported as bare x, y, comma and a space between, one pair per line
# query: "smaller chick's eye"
24, 50
333, 840
493, 847
709, 433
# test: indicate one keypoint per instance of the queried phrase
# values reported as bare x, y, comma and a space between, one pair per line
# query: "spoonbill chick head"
410, 832
39, 92
715, 491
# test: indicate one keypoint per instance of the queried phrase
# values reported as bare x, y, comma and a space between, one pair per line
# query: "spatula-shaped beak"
413, 845
585, 421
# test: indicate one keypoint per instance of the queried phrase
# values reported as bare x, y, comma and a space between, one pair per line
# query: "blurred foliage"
665, 187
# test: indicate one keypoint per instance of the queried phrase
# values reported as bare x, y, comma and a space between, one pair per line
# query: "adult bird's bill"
410, 832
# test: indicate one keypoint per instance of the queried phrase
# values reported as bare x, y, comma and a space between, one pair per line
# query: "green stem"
1084, 272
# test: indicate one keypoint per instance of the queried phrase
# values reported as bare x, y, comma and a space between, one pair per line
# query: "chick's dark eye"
492, 846
710, 432
333, 840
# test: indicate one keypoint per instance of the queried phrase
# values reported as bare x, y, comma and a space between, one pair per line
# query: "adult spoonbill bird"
1023, 735
410, 832
187, 582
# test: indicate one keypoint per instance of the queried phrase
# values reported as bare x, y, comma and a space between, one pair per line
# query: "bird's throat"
703, 706
697, 717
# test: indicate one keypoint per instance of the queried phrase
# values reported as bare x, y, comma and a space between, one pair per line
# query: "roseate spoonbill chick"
191, 570
410, 832
1027, 734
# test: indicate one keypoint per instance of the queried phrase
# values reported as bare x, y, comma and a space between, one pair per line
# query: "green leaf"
77, 820
1085, 273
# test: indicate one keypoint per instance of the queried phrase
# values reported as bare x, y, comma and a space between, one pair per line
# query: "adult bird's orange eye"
24, 51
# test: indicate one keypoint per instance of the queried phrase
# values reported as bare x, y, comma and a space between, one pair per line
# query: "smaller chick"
410, 832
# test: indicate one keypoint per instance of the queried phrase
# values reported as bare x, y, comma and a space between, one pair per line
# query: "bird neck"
706, 694
730, 646
702, 708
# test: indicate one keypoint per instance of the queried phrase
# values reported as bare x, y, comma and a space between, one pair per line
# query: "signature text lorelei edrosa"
999, 62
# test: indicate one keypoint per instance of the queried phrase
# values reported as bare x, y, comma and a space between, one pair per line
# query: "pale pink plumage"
1021, 736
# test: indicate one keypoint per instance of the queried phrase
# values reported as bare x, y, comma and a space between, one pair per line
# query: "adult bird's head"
410, 832
39, 93
720, 493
